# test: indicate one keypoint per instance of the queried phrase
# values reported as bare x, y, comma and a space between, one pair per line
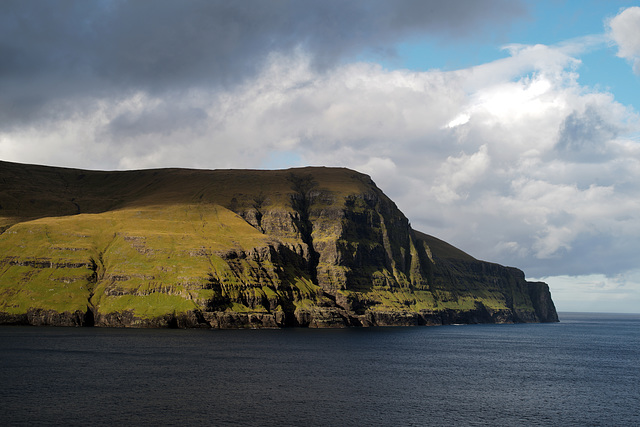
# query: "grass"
146, 306
138, 251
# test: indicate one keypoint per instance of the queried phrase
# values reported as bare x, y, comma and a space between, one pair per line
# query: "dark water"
582, 371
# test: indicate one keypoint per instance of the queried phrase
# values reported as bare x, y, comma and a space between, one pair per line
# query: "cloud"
623, 30
164, 118
596, 292
457, 173
56, 54
584, 135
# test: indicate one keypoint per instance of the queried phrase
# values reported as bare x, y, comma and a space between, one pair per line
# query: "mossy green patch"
146, 306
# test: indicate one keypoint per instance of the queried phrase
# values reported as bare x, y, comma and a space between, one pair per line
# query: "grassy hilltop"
319, 247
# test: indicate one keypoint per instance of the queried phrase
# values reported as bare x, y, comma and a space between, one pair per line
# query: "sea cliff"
312, 247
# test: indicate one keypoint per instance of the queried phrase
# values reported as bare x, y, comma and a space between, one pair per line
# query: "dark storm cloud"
163, 119
69, 49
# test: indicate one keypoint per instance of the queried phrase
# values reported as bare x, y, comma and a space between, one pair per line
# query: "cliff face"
317, 247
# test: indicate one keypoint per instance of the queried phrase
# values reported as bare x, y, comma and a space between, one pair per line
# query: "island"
305, 247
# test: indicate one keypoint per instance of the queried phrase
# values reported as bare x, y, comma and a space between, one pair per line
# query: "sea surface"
584, 371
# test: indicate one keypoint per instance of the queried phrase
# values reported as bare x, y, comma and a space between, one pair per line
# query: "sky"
508, 128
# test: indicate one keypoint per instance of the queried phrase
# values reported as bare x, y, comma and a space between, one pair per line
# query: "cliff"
316, 247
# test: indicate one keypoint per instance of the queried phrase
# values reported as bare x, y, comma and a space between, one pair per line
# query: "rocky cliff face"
315, 247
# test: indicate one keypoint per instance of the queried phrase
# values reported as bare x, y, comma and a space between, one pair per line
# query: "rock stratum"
310, 247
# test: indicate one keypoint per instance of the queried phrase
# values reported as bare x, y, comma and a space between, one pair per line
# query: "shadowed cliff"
318, 247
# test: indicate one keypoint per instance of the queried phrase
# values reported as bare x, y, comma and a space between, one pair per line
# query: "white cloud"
377, 166
596, 292
458, 173
624, 31
460, 119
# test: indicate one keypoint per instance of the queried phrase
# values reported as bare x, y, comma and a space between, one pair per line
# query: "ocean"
583, 371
